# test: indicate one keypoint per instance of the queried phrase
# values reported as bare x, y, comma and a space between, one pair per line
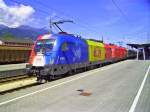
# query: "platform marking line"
133, 106
62, 83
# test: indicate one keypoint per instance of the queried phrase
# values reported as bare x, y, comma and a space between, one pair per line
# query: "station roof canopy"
139, 45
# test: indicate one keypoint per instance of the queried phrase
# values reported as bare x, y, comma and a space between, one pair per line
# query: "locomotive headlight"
55, 43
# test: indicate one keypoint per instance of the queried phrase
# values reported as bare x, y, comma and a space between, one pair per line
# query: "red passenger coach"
124, 52
115, 52
108, 53
119, 52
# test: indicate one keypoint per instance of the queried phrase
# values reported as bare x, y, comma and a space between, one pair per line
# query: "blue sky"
121, 20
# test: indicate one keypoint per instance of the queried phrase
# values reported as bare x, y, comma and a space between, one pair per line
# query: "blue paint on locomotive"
67, 49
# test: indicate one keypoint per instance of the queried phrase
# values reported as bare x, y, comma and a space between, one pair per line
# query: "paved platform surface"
12, 70
12, 67
121, 87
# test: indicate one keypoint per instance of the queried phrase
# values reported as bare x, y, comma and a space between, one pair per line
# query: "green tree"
8, 36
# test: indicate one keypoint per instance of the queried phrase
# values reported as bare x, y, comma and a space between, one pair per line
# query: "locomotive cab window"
45, 45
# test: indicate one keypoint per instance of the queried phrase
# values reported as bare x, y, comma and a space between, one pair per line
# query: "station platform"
11, 70
120, 87
12, 67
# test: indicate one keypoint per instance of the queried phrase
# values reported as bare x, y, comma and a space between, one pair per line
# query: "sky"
116, 21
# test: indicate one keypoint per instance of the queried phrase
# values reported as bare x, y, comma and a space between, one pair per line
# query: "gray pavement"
112, 89
12, 67
144, 101
11, 70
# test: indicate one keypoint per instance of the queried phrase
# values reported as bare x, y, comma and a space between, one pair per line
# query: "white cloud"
14, 16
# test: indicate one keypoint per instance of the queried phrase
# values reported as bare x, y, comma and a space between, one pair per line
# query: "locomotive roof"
48, 36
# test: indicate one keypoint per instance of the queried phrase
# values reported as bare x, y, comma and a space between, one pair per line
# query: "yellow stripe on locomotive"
96, 51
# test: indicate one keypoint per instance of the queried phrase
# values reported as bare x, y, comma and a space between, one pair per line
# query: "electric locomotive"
56, 54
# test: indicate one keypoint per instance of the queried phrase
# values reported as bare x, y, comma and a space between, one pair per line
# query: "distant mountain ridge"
22, 32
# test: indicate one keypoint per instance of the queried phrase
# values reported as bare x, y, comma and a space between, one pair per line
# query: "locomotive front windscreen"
44, 46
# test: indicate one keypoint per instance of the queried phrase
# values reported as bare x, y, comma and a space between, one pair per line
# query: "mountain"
1, 27
22, 32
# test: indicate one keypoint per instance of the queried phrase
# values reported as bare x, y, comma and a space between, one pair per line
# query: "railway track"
12, 70
12, 76
9, 79
13, 83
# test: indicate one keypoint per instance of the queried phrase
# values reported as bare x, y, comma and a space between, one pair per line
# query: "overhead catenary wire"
139, 32
127, 20
76, 18
121, 12
82, 25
